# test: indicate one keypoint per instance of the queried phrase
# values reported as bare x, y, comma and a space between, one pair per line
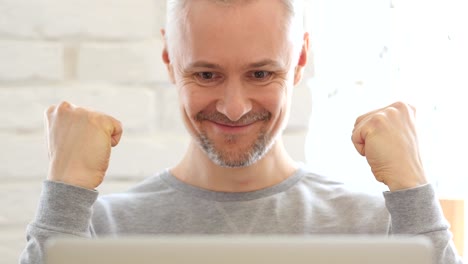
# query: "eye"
206, 75
208, 78
261, 75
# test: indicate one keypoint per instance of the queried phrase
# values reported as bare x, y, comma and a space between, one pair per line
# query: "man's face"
234, 68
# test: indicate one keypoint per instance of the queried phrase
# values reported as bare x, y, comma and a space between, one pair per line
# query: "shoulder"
343, 208
157, 182
150, 188
328, 189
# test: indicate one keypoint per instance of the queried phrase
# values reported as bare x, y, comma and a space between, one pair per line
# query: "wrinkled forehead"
238, 31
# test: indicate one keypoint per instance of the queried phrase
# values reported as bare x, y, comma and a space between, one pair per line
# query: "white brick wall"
79, 19
128, 62
102, 54
31, 60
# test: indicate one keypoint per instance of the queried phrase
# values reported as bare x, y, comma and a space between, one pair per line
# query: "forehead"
239, 33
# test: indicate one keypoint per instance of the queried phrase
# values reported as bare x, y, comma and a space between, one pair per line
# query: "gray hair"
176, 9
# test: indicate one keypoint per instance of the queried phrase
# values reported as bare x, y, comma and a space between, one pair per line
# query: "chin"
240, 157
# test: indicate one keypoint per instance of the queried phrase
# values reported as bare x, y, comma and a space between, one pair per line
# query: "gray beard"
256, 151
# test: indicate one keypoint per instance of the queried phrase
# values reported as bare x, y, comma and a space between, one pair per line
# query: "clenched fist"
387, 138
79, 143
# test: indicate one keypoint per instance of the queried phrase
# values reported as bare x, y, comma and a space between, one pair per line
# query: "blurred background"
105, 54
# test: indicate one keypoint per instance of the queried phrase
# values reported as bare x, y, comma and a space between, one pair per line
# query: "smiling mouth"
230, 128
233, 124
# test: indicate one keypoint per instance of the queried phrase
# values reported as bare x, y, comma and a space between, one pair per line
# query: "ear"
166, 59
302, 60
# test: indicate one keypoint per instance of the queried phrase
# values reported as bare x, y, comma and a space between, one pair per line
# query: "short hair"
176, 14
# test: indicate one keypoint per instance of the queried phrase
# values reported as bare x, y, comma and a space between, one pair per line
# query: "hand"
387, 138
79, 143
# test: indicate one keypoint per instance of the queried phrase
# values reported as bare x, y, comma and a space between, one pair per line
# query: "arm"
417, 211
63, 210
79, 143
387, 138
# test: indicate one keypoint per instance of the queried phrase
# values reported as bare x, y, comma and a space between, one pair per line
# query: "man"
235, 64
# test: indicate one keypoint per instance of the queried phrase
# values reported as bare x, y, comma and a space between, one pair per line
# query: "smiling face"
235, 66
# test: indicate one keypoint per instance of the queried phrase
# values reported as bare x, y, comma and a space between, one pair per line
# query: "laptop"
240, 249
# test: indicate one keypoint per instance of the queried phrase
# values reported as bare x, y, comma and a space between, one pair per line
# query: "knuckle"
93, 117
64, 105
379, 119
81, 111
100, 120
400, 105
405, 107
399, 108
391, 111
61, 109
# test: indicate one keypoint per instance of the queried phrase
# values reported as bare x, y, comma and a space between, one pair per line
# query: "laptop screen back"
235, 249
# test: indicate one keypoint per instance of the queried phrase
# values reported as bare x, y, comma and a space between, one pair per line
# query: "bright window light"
368, 54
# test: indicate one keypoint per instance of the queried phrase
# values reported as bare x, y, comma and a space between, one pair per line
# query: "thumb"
116, 132
358, 141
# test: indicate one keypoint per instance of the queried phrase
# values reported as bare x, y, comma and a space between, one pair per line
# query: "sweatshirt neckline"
206, 194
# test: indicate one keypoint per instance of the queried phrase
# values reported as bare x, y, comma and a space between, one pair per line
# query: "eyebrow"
266, 62
203, 64
209, 65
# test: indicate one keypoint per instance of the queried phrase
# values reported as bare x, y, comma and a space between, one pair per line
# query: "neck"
198, 170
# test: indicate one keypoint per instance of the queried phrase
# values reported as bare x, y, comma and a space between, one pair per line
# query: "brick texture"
28, 60
134, 62
78, 19
23, 157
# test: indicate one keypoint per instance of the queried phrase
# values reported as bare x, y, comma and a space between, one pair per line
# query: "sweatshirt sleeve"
63, 210
417, 211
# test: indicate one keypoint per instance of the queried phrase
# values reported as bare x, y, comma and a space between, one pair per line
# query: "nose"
234, 103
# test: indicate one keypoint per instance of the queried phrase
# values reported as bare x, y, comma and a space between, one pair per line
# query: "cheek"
278, 104
193, 100
275, 98
273, 103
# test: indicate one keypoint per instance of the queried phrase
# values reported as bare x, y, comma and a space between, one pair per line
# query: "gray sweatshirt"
305, 203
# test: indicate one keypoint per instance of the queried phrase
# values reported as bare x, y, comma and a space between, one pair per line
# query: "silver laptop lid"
241, 249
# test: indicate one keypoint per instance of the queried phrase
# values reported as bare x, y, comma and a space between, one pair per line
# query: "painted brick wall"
103, 54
